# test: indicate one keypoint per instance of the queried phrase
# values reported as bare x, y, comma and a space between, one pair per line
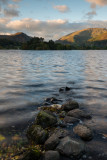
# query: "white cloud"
4, 21
50, 29
36, 27
98, 2
62, 8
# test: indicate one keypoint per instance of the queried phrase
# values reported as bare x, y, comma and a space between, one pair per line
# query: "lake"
28, 77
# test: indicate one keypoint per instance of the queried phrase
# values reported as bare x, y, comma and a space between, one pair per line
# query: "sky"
51, 19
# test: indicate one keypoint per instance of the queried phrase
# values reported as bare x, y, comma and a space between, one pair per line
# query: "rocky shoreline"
59, 132
62, 129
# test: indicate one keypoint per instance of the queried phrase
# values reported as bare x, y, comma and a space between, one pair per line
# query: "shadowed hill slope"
17, 37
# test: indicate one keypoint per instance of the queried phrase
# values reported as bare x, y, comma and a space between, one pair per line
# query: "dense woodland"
8, 44
39, 44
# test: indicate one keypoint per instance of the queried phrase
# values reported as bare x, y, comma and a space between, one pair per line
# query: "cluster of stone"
51, 134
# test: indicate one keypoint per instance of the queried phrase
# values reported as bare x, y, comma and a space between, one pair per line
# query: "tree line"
37, 43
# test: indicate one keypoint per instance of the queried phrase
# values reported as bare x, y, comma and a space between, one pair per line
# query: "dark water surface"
28, 77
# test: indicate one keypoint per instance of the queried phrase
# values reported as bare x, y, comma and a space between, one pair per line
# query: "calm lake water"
28, 77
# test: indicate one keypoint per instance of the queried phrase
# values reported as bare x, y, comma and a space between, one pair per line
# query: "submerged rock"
77, 113
37, 134
46, 119
52, 155
84, 132
64, 89
67, 88
69, 119
52, 100
71, 148
70, 105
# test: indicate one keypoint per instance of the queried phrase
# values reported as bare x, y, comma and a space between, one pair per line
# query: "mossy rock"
45, 119
37, 134
32, 154
53, 108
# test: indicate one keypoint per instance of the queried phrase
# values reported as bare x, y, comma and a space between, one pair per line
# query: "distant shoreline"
53, 49
87, 39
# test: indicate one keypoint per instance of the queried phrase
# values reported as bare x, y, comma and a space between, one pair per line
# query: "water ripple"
28, 77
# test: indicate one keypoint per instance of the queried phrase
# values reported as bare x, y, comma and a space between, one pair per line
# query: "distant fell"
85, 36
17, 37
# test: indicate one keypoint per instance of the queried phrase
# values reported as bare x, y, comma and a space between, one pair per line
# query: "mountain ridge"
16, 37
91, 38
84, 36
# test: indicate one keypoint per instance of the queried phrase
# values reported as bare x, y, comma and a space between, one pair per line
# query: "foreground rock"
52, 155
46, 119
70, 147
77, 113
84, 132
70, 105
37, 134
52, 108
52, 142
61, 133
69, 119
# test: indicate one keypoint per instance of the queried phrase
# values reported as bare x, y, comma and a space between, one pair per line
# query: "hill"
19, 37
90, 36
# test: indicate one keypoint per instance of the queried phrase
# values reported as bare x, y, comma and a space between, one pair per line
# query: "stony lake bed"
61, 80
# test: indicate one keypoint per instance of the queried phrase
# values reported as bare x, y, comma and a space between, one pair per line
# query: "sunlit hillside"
85, 36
